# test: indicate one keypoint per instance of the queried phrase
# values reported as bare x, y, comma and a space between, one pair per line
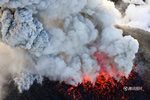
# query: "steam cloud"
58, 39
136, 19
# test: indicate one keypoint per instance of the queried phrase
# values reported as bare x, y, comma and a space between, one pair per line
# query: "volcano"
74, 49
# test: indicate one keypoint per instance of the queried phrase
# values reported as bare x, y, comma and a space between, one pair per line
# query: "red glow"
101, 57
86, 79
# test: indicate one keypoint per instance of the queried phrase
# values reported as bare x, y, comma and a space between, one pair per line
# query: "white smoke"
134, 1
62, 46
121, 49
24, 81
63, 7
12, 62
137, 16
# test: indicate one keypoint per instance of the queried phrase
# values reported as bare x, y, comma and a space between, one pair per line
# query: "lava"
104, 88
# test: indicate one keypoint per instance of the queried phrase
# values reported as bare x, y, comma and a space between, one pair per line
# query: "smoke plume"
137, 16
58, 38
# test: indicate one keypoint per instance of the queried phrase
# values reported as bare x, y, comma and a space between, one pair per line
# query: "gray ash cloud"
20, 29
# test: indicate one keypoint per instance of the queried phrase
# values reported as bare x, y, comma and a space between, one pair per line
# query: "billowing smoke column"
58, 39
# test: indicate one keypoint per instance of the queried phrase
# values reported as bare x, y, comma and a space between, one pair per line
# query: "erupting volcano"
74, 49
106, 87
